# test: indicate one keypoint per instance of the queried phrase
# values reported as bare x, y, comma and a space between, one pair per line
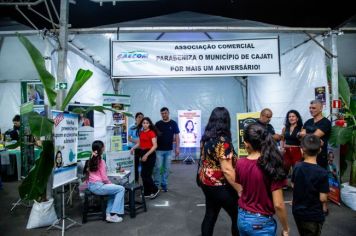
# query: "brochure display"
85, 131
118, 159
244, 119
66, 140
120, 162
116, 122
189, 123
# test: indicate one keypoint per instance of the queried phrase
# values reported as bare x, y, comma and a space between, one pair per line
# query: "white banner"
203, 58
66, 140
189, 123
85, 131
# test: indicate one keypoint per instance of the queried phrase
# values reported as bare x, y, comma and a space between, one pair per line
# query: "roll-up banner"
189, 123
203, 58
65, 140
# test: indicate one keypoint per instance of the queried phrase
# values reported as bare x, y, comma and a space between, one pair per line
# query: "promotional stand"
65, 171
188, 154
189, 123
60, 223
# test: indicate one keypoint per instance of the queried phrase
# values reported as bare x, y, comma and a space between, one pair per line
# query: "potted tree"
344, 134
34, 185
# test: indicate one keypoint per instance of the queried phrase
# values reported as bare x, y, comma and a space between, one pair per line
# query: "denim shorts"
250, 223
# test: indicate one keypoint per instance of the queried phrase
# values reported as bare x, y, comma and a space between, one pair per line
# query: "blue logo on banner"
132, 56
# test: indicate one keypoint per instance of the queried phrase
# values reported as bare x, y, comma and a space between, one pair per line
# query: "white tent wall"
10, 101
303, 69
92, 91
150, 95
16, 66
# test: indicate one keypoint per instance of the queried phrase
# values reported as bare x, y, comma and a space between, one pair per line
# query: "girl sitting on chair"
99, 183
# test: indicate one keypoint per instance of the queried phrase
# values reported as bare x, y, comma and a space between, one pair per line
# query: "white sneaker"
113, 219
154, 195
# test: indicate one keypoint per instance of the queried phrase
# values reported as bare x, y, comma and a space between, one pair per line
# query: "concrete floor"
177, 212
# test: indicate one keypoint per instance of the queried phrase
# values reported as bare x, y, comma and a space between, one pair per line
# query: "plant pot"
348, 195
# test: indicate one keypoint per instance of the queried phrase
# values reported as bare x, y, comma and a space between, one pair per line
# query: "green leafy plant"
34, 185
346, 135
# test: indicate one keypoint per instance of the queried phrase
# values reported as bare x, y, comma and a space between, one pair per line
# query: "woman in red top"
262, 177
217, 172
148, 145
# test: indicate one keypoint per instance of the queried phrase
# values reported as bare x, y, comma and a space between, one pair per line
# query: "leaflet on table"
65, 140
119, 161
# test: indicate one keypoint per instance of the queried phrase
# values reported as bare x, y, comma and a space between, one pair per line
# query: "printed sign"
85, 131
203, 58
320, 94
66, 140
189, 123
244, 119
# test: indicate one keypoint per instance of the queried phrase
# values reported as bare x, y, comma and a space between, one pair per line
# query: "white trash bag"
348, 195
42, 214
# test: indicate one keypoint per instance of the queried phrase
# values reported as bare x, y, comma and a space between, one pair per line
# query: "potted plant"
346, 134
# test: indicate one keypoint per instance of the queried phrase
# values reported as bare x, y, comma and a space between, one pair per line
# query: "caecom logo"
132, 56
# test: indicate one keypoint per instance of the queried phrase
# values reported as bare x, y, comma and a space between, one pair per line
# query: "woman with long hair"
148, 144
262, 177
216, 172
290, 144
99, 183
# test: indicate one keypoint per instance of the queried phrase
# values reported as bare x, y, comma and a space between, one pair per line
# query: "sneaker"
154, 195
164, 189
113, 219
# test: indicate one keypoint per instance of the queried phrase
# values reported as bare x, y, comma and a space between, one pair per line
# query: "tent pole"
63, 49
334, 72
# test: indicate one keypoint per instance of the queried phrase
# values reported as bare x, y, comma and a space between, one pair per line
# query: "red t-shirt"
257, 187
146, 139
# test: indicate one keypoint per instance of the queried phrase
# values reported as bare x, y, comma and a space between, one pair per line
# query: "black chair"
94, 205
132, 205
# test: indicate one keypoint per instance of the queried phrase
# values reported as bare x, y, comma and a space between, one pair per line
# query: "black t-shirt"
309, 181
167, 130
324, 125
14, 133
269, 127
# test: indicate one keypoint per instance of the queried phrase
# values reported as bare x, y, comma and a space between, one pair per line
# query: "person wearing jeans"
99, 183
116, 196
163, 166
262, 177
167, 135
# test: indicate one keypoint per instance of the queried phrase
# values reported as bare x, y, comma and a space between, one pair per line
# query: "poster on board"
244, 119
320, 94
85, 131
189, 123
116, 122
334, 174
65, 149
